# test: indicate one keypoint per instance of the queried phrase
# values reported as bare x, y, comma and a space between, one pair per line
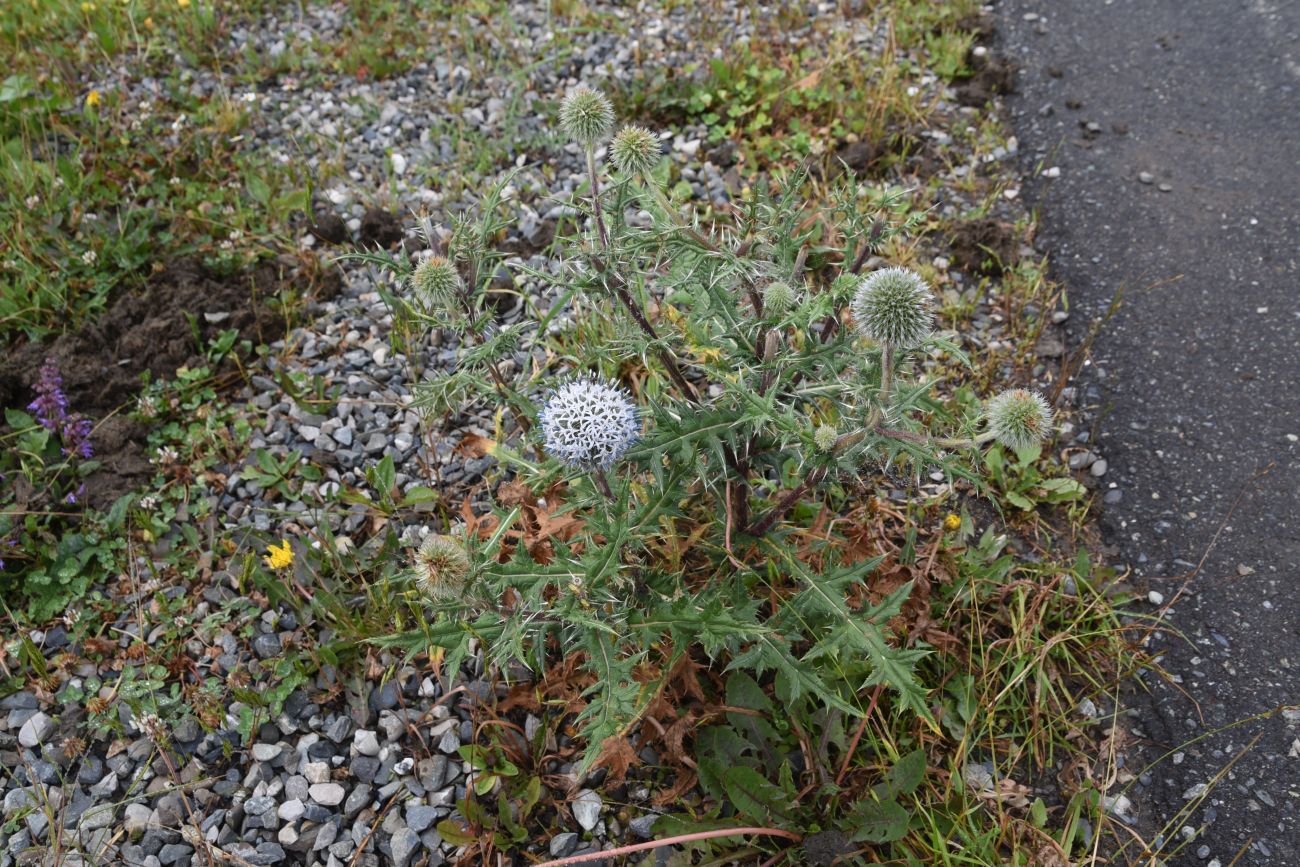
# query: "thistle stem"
886, 373
602, 482
595, 196
665, 356
785, 504
662, 199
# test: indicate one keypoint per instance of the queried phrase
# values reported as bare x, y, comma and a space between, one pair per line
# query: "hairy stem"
665, 356
602, 482
595, 196
886, 373
785, 504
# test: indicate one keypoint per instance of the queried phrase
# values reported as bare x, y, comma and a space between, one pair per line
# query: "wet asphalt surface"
1184, 196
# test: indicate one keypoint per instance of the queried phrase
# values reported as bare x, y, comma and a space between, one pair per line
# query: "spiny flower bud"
586, 115
1019, 418
436, 282
589, 424
778, 297
441, 567
825, 437
465, 243
892, 306
635, 150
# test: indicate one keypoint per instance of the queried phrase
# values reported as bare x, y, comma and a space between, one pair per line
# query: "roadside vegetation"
947, 695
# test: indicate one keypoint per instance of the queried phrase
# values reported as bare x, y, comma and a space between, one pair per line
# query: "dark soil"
101, 364
329, 227
984, 247
379, 227
992, 76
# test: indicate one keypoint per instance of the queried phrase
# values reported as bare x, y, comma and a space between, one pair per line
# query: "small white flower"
589, 424
32, 201
174, 181
89, 257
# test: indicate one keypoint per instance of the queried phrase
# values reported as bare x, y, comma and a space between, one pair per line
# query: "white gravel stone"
586, 807
36, 730
327, 794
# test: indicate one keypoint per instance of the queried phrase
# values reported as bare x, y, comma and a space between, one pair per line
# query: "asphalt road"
1184, 194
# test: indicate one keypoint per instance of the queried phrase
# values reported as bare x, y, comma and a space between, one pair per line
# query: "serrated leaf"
753, 795
876, 822
906, 774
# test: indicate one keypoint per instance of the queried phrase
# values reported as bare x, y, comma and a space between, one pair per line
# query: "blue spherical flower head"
589, 424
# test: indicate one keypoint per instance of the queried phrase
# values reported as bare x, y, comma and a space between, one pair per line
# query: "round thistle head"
825, 437
1019, 418
892, 306
441, 567
586, 115
436, 282
635, 150
589, 424
779, 297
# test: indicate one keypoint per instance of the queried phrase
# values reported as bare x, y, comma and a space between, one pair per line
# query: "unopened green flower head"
1019, 418
441, 567
778, 297
635, 150
892, 306
825, 437
586, 115
436, 282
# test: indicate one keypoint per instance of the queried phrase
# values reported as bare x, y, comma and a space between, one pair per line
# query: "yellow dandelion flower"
279, 558
952, 522
148, 23
184, 4
87, 7
93, 99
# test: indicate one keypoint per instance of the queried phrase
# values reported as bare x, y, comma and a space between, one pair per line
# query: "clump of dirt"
101, 363
985, 246
978, 24
380, 227
329, 227
992, 76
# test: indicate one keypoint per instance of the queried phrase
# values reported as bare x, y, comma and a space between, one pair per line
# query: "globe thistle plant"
635, 150
892, 306
586, 115
1019, 418
436, 282
589, 424
441, 567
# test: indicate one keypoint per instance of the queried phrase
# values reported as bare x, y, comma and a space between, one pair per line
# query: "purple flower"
76, 436
50, 405
51, 409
